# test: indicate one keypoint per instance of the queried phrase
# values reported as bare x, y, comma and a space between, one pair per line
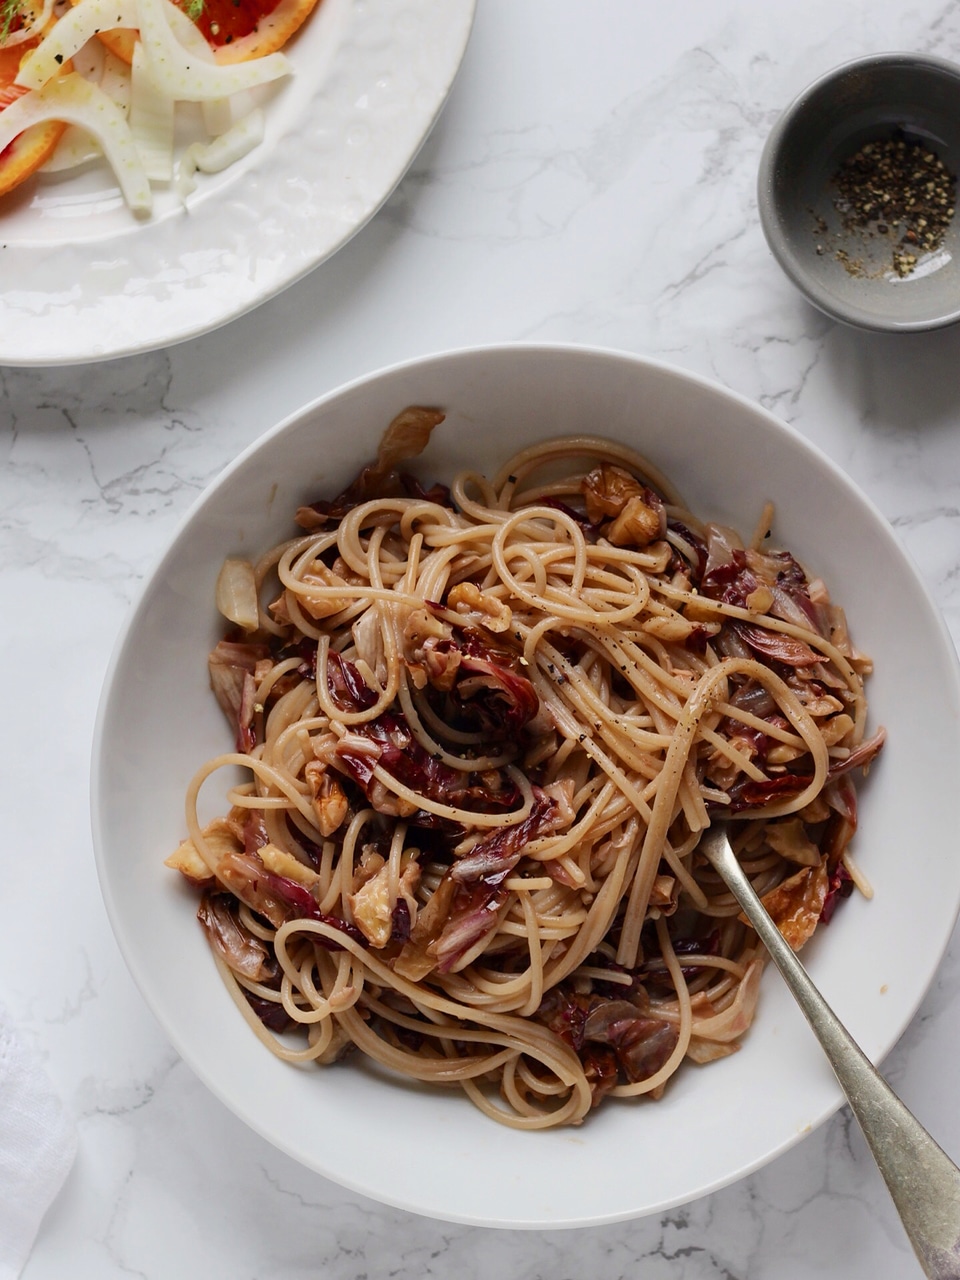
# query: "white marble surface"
592, 179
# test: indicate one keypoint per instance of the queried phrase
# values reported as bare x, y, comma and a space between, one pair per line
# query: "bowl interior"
432, 1152
850, 274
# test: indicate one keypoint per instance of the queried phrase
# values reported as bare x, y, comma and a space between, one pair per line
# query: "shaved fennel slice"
33, 24
236, 595
188, 34
115, 81
186, 78
76, 147
74, 100
212, 157
151, 120
218, 115
88, 61
70, 34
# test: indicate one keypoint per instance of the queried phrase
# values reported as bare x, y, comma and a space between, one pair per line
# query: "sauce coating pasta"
482, 730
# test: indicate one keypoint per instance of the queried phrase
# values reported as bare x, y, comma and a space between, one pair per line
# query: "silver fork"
923, 1181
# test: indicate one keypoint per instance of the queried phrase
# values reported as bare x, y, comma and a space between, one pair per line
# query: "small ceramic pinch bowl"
851, 272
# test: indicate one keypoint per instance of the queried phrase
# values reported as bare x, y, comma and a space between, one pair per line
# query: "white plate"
84, 280
433, 1152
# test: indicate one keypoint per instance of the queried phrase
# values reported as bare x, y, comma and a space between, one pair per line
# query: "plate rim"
546, 1222
56, 324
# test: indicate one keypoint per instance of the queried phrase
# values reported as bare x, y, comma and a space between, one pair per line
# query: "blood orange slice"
27, 152
236, 30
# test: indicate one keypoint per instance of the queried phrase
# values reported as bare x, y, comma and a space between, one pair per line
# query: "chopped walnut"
368, 639
836, 729
791, 841
820, 705
285, 864
423, 624
319, 607
783, 753
386, 801
372, 907
221, 836
662, 893
676, 629
188, 862
340, 1044
330, 803
423, 633
760, 600
638, 524
796, 904
315, 608
816, 811
606, 491
636, 512
486, 610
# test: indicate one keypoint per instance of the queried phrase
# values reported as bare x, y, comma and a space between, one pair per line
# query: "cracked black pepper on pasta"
482, 729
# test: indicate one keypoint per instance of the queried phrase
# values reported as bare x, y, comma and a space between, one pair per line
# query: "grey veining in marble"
592, 180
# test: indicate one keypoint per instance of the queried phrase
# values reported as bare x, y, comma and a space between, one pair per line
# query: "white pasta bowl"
429, 1151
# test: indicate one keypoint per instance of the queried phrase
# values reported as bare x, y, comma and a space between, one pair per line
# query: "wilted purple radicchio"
378, 812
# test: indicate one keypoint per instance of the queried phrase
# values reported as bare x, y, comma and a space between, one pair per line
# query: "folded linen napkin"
38, 1143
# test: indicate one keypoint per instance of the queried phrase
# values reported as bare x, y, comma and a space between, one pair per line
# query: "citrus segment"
251, 28
236, 30
30, 149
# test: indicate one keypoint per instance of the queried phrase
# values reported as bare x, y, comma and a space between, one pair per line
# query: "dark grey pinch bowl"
862, 101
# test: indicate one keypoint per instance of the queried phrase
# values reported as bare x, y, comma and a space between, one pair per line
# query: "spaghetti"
481, 731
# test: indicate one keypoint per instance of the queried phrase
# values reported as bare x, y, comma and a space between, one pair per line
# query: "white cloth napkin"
38, 1143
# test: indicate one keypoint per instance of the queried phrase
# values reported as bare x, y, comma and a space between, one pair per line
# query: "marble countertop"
592, 179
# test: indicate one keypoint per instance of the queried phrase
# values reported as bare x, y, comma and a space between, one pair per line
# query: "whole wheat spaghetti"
481, 730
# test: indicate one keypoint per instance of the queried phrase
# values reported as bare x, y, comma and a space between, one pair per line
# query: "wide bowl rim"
122, 928
770, 209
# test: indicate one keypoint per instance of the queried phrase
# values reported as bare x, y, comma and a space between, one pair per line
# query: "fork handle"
923, 1181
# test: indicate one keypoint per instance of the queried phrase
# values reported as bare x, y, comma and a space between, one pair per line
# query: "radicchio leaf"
483, 690
750, 794
695, 543
840, 886
388, 741
406, 437
401, 922
501, 852
640, 1043
776, 645
492, 697
601, 1068
473, 916
589, 526
271, 1013
277, 898
347, 685
231, 666
654, 968
467, 902
240, 951
437, 493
